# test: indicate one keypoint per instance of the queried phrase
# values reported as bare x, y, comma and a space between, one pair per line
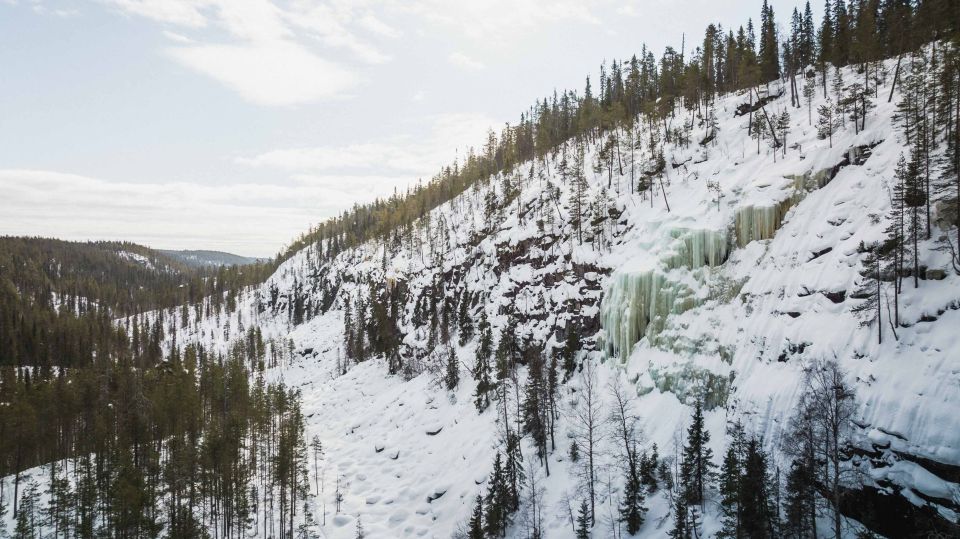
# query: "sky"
235, 125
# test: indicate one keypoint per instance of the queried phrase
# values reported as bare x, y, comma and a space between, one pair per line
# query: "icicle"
637, 304
697, 248
760, 222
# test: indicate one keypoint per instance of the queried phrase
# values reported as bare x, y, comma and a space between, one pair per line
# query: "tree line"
192, 447
650, 90
59, 300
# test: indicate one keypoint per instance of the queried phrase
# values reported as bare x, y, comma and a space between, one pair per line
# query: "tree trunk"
896, 77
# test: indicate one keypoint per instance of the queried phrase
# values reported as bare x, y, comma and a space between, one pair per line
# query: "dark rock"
818, 254
836, 297
437, 494
747, 108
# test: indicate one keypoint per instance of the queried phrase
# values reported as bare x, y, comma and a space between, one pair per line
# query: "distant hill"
207, 259
55, 294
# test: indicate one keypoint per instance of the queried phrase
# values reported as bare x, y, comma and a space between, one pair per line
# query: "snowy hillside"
724, 278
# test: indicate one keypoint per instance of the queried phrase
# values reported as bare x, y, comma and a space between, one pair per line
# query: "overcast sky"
236, 124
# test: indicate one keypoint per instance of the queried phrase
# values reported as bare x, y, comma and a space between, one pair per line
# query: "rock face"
749, 275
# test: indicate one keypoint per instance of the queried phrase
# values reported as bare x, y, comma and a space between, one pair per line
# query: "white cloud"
178, 38
373, 24
354, 156
187, 13
330, 27
450, 135
270, 55
275, 73
503, 22
249, 219
465, 62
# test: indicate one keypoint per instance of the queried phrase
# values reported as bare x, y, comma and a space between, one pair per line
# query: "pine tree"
452, 370
893, 249
497, 513
681, 523
476, 520
825, 122
513, 472
348, 330
769, 54
583, 520
837, 86
571, 349
809, 92
632, 509
800, 498
648, 468
868, 290
825, 49
914, 199
465, 332
534, 408
578, 193
697, 458
783, 127
758, 510
481, 369
729, 487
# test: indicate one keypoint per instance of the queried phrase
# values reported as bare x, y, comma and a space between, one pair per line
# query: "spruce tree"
729, 489
513, 472
583, 520
465, 331
496, 513
476, 520
632, 508
914, 199
481, 369
769, 54
697, 458
756, 495
825, 122
648, 468
571, 348
868, 290
681, 524
535, 409
800, 499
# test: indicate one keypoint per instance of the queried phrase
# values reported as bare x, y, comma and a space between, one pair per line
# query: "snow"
732, 299
137, 258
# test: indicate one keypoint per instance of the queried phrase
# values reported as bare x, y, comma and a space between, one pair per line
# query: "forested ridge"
134, 441
139, 440
647, 89
59, 299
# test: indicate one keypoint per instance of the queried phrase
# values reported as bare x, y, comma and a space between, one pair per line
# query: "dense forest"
59, 300
192, 447
135, 442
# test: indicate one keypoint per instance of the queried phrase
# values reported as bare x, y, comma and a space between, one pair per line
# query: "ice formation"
760, 222
637, 303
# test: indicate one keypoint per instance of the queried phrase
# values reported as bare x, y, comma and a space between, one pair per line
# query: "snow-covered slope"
730, 291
